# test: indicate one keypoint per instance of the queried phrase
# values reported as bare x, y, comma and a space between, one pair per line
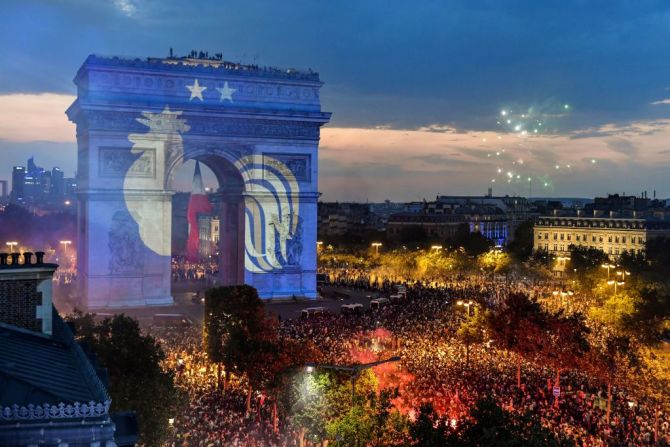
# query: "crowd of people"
421, 330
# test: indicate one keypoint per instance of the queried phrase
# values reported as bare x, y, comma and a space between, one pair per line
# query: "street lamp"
615, 283
436, 247
65, 244
608, 267
11, 245
467, 305
376, 245
355, 371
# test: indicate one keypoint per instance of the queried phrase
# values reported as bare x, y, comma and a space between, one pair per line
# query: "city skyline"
406, 124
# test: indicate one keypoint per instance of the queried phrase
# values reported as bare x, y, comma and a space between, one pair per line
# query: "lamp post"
65, 244
436, 247
615, 283
608, 266
355, 371
467, 305
376, 245
11, 245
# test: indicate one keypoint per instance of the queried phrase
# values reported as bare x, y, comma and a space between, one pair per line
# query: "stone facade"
256, 128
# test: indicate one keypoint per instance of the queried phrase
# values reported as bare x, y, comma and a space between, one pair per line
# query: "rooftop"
38, 370
203, 63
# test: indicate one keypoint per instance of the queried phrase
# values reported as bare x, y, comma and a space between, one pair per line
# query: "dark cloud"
398, 64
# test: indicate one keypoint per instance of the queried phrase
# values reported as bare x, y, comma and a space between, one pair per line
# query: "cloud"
36, 117
127, 7
662, 101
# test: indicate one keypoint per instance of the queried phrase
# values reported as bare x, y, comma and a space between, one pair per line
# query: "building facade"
613, 235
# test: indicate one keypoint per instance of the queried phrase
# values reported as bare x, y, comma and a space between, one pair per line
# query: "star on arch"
226, 92
196, 90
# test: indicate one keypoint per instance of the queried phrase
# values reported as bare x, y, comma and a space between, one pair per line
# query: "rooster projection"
197, 204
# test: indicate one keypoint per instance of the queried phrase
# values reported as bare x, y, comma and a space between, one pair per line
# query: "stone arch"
246, 123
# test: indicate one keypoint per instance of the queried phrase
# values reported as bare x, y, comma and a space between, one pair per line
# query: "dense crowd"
421, 329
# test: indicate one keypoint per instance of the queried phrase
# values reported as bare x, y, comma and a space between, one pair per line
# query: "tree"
237, 332
136, 380
490, 425
586, 260
429, 429
471, 331
567, 344
611, 359
474, 243
519, 326
521, 246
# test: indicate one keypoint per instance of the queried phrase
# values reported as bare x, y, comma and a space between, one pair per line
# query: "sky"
421, 92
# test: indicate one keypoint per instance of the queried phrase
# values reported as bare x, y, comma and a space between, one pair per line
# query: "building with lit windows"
613, 235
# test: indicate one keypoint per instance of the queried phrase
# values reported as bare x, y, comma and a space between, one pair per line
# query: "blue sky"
399, 72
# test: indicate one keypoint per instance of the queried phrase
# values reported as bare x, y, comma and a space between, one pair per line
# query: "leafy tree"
429, 429
321, 396
474, 244
413, 236
568, 343
586, 260
519, 326
136, 380
521, 246
490, 425
232, 314
472, 331
611, 358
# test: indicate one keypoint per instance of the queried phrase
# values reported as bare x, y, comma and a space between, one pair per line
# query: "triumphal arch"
256, 128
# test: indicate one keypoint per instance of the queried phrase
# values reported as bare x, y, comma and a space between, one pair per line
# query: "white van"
313, 311
379, 303
348, 309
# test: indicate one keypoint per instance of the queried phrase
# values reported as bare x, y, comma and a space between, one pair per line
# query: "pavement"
187, 304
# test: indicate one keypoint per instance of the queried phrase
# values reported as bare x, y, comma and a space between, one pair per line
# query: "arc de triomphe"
256, 128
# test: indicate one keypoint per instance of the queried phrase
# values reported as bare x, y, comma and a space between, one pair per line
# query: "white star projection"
226, 92
196, 90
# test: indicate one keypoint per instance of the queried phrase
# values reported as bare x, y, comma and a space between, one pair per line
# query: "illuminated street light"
608, 267
615, 283
65, 244
376, 245
11, 245
467, 305
355, 370
436, 247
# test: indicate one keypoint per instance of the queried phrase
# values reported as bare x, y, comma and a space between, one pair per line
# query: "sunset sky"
421, 92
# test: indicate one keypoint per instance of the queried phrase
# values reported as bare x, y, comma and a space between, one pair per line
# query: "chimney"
26, 292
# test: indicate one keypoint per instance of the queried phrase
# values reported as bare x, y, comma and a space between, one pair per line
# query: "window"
600, 239
609, 250
632, 240
593, 238
569, 236
609, 238
623, 239
562, 236
616, 250
546, 235
616, 239
555, 236
555, 247
539, 236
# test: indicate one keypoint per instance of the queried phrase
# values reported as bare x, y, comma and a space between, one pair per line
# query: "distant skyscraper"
18, 182
3, 189
198, 204
57, 183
